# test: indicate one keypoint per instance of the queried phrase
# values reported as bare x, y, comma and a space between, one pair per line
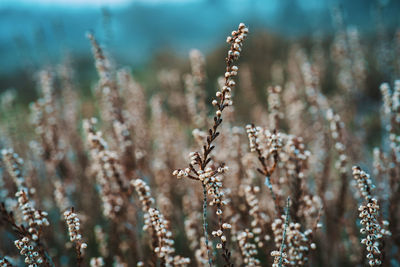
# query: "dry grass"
118, 190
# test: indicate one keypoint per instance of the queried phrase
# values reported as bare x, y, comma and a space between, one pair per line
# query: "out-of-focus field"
269, 149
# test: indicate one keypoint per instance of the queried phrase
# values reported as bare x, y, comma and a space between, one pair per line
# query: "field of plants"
265, 152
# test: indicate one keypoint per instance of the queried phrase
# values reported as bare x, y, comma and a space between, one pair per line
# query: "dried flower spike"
74, 227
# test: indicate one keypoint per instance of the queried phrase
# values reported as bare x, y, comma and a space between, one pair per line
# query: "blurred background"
144, 33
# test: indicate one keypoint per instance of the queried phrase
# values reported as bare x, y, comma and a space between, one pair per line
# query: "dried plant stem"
276, 201
209, 178
284, 231
267, 172
111, 97
263, 156
205, 224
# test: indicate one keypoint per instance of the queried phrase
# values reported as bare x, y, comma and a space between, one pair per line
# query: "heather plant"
104, 179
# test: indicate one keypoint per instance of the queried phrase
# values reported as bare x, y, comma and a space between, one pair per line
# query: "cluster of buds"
181, 261
391, 107
294, 108
220, 233
212, 180
379, 161
146, 200
299, 244
225, 94
5, 263
295, 148
259, 218
96, 262
372, 229
135, 113
252, 133
195, 92
157, 226
164, 202
278, 228
14, 166
181, 173
60, 197
236, 41
248, 249
27, 248
280, 258
274, 104
110, 161
396, 100
112, 105
165, 249
293, 155
109, 173
263, 140
69, 93
315, 98
103, 65
364, 182
310, 208
45, 119
123, 135
357, 56
74, 225
336, 128
36, 219
369, 218
387, 98
391, 100
343, 56
267, 145
110, 192
205, 176
95, 138
274, 141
